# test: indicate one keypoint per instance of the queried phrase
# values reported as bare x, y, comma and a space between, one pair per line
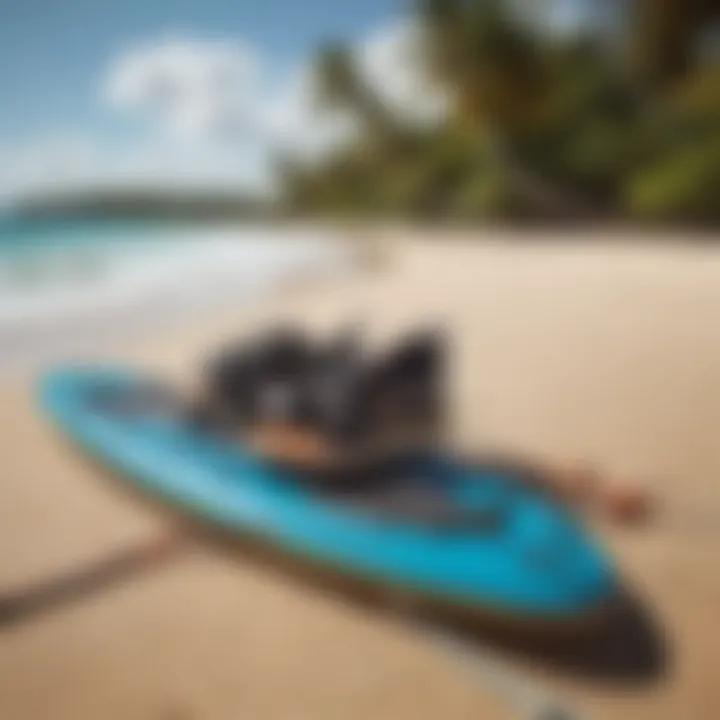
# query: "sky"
81, 84
194, 94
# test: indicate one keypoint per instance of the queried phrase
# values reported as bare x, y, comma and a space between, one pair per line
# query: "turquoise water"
19, 235
62, 269
38, 255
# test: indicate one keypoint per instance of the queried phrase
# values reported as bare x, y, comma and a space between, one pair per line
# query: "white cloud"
387, 62
390, 62
214, 88
293, 120
66, 162
48, 163
212, 116
192, 87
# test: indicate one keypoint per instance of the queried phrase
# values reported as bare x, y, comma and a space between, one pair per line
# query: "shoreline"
596, 350
104, 316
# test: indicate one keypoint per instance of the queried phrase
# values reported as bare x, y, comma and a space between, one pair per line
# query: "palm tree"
495, 69
488, 61
342, 86
664, 33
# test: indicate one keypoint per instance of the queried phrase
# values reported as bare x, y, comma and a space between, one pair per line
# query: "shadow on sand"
625, 645
628, 647
29, 602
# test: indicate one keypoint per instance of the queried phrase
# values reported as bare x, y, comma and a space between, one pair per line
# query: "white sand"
606, 351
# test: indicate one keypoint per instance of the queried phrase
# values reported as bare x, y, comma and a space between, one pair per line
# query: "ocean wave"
180, 274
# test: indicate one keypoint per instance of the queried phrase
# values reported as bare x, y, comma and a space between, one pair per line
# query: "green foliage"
664, 33
540, 125
485, 56
684, 184
484, 195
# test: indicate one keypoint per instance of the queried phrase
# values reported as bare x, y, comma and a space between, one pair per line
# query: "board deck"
425, 525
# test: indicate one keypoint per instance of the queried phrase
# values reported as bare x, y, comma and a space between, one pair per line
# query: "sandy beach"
569, 347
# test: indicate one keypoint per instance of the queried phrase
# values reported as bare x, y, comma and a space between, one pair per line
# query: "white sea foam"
47, 296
